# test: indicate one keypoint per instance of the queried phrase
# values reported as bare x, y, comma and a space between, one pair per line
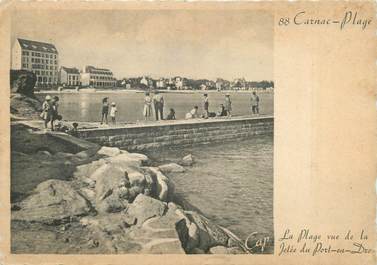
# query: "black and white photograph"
142, 131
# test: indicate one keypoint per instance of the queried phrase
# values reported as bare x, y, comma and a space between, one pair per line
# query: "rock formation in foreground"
114, 204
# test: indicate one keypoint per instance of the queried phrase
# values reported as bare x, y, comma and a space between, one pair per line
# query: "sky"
191, 43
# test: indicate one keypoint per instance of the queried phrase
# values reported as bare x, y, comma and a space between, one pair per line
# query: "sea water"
231, 183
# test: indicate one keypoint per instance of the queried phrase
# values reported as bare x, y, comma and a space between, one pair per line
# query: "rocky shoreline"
109, 201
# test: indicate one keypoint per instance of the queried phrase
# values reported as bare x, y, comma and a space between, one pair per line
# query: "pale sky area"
191, 43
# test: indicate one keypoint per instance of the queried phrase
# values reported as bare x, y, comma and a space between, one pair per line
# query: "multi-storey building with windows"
69, 76
97, 77
39, 57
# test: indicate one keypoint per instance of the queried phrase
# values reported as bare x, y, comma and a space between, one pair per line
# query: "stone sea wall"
179, 133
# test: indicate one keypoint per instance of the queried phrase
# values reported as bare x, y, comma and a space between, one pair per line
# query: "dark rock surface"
22, 82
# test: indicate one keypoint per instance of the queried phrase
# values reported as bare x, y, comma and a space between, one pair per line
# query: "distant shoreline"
84, 91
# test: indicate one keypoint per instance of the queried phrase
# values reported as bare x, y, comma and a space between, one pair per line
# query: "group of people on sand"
223, 111
156, 104
50, 115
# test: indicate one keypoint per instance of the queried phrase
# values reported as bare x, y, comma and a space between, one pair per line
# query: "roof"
90, 69
37, 46
71, 70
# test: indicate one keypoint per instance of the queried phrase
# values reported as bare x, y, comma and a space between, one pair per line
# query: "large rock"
111, 204
158, 235
144, 208
136, 178
140, 157
25, 106
187, 160
161, 184
210, 234
86, 170
111, 188
126, 160
109, 151
52, 201
172, 168
23, 82
188, 233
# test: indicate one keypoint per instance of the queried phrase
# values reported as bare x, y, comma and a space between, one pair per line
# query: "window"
37, 72
49, 79
24, 65
39, 79
55, 56
56, 62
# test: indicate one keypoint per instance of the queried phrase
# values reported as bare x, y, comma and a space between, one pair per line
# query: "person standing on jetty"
55, 112
158, 102
47, 111
228, 106
105, 110
205, 106
147, 111
113, 111
254, 103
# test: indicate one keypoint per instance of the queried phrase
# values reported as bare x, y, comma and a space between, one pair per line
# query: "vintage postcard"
188, 132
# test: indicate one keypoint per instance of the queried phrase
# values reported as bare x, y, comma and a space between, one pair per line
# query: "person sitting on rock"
171, 115
74, 131
221, 111
59, 126
193, 114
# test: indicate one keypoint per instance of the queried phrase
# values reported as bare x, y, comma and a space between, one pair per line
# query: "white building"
144, 81
178, 83
38, 57
97, 77
160, 83
69, 76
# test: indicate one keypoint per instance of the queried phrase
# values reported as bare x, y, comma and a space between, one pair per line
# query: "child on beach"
113, 111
